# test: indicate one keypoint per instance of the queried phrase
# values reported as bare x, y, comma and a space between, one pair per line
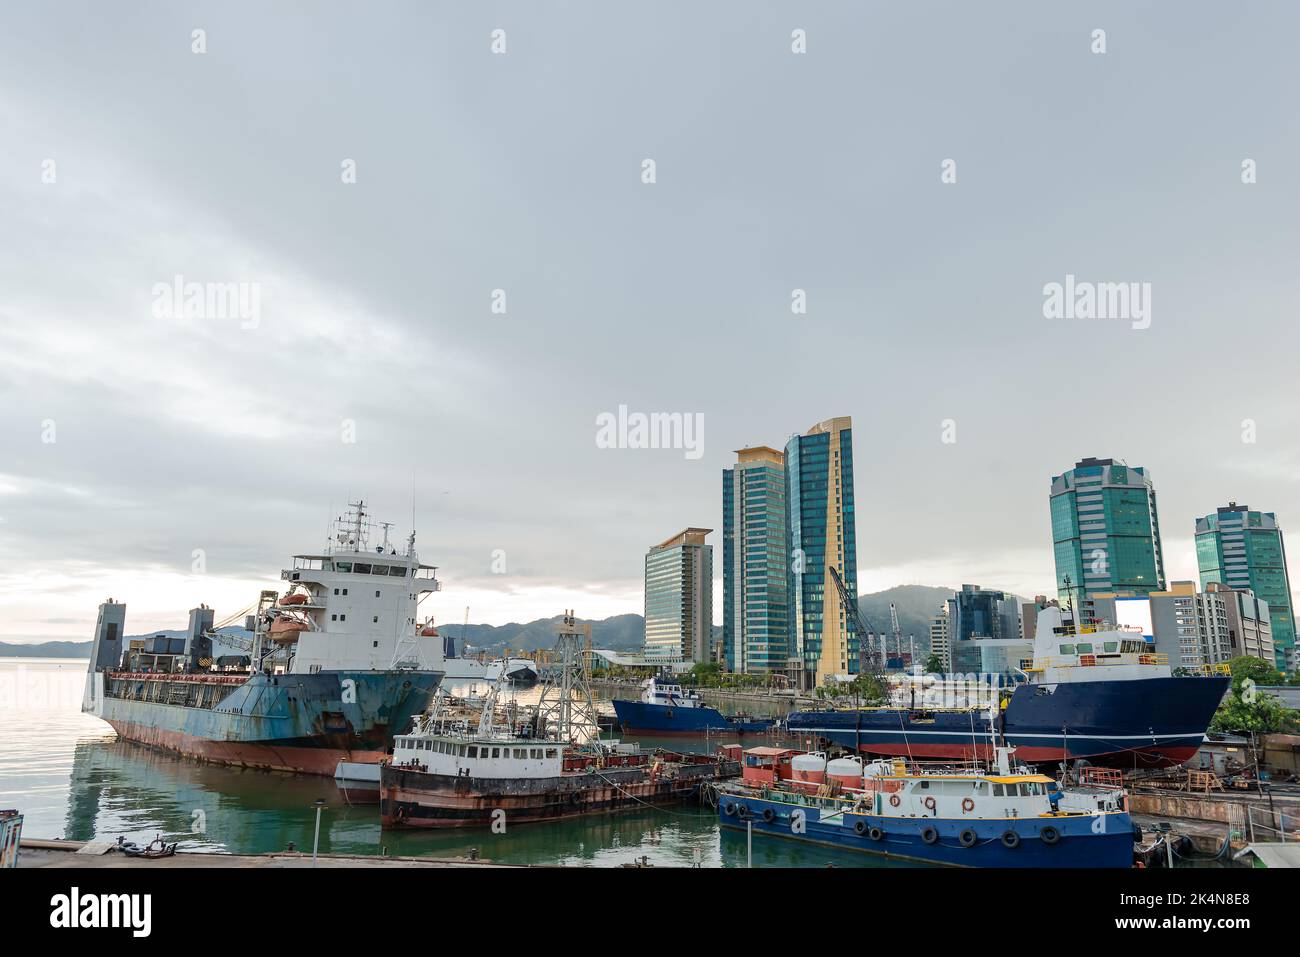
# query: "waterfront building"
755, 586
940, 643
821, 535
1243, 549
1105, 533
975, 615
1250, 625
679, 598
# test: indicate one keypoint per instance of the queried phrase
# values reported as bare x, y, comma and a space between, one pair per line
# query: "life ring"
875, 833
1010, 839
894, 800
929, 803
967, 838
768, 815
742, 810
968, 804
929, 835
575, 798
1050, 835
729, 808
860, 827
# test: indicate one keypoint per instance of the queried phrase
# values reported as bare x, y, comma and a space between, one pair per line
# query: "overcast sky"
130, 439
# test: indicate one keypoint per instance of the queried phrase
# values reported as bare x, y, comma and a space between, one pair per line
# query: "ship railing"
1089, 661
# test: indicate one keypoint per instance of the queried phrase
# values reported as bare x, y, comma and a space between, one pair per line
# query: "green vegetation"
862, 690
1247, 710
933, 665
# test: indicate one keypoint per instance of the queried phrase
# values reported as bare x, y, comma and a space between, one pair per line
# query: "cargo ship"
666, 709
1006, 816
334, 668
1097, 694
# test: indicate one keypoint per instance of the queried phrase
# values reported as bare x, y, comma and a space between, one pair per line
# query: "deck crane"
895, 631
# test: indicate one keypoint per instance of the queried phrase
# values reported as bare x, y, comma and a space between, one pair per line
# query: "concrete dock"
87, 854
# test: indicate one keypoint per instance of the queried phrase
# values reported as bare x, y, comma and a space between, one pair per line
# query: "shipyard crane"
895, 631
859, 620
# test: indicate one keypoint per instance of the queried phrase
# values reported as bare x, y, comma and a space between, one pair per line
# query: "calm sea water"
71, 777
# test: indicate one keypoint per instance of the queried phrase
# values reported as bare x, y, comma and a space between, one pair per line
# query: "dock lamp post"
315, 843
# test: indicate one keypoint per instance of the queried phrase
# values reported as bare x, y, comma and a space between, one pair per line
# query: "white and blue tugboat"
666, 708
961, 816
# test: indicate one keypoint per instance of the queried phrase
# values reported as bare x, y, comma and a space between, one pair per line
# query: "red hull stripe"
247, 754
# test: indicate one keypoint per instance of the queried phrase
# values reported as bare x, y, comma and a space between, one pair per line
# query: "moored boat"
1090, 693
962, 816
666, 708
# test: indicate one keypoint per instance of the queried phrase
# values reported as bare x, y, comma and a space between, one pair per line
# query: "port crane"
859, 620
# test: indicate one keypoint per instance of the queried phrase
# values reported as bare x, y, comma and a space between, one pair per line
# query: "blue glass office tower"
755, 601
820, 520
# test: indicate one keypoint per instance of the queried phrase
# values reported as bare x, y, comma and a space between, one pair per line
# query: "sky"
454, 259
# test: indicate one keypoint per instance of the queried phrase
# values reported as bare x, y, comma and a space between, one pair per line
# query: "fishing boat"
666, 708
968, 816
1095, 693
546, 764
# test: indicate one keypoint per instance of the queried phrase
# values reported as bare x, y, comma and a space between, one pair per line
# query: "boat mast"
566, 698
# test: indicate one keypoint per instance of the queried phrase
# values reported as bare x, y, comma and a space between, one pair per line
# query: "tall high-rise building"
679, 598
755, 598
940, 645
819, 493
1104, 530
1243, 549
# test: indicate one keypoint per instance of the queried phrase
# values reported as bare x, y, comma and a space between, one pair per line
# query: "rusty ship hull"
303, 723
411, 798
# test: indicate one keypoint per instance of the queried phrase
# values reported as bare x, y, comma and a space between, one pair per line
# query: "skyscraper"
977, 617
1104, 530
819, 490
755, 602
1243, 549
679, 598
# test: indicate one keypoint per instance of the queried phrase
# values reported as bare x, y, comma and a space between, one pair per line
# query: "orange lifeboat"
297, 598
428, 631
287, 629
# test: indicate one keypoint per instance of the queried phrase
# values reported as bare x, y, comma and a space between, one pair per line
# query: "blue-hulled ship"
960, 816
334, 668
1102, 695
666, 709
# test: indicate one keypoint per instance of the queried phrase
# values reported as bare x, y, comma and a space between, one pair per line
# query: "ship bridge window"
473, 751
1111, 646
1067, 649
398, 571
343, 566
550, 752
1085, 648
496, 752
360, 569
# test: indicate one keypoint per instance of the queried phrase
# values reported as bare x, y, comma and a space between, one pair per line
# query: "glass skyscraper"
819, 506
1243, 549
679, 598
1105, 532
755, 600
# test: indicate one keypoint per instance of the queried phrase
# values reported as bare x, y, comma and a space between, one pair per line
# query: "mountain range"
915, 605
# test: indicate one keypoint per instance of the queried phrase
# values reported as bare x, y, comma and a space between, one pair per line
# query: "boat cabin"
478, 756
655, 691
767, 765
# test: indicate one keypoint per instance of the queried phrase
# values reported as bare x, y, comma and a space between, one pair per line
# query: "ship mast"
566, 703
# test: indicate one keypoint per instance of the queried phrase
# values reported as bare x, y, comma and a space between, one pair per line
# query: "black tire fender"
1010, 839
1049, 835
967, 838
929, 834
